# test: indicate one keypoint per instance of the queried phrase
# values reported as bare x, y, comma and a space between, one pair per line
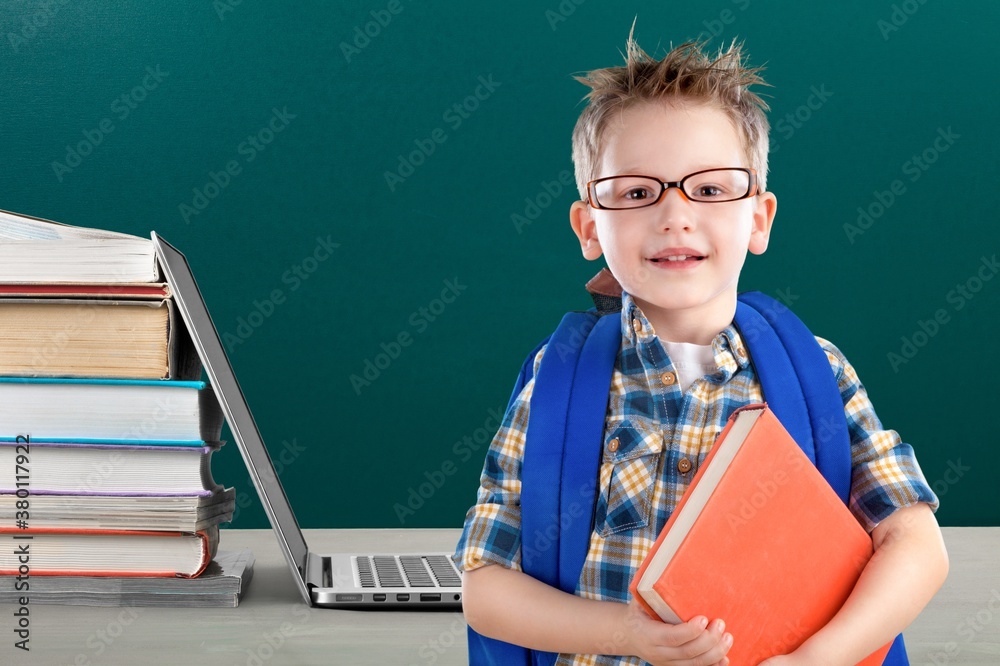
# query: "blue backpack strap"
776, 374
781, 348
561, 464
565, 441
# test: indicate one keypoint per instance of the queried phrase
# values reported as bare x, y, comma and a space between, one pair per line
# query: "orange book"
760, 540
74, 552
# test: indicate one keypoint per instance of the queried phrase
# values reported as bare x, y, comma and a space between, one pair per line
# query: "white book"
157, 512
36, 250
109, 468
109, 410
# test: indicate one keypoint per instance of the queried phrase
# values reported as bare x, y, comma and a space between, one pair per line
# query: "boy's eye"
708, 191
637, 194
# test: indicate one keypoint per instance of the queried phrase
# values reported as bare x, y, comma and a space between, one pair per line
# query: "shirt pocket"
632, 453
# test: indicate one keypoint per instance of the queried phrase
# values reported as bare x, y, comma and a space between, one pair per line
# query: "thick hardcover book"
65, 552
102, 469
221, 585
760, 540
57, 337
35, 250
53, 409
123, 511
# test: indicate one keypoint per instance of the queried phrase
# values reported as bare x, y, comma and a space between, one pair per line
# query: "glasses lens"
717, 185
627, 192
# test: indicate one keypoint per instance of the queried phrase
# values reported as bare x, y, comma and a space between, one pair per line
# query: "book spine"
634, 585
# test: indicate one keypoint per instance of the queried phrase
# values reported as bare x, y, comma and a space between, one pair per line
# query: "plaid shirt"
655, 439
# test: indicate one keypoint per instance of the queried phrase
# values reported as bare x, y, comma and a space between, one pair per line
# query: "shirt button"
613, 445
741, 352
637, 326
668, 378
683, 465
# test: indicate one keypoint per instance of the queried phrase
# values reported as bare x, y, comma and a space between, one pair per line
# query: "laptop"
337, 580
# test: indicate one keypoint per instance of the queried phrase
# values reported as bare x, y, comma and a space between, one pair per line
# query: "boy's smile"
679, 259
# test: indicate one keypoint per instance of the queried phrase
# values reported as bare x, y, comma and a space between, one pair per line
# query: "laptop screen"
206, 339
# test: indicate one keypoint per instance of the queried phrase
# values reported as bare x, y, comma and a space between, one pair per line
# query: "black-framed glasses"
708, 186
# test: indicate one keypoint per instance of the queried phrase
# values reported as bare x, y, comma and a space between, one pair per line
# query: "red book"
152, 290
74, 552
760, 540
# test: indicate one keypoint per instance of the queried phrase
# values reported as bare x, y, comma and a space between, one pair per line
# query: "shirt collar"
728, 346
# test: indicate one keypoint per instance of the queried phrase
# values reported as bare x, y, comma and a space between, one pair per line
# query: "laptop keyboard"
407, 571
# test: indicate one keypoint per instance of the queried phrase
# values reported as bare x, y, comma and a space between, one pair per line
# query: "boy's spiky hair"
685, 74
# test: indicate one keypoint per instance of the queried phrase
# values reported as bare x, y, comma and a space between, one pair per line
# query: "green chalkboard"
381, 190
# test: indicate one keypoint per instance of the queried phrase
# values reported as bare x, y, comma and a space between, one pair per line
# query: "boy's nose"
673, 210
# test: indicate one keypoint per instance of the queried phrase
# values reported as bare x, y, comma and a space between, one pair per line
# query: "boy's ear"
585, 229
763, 216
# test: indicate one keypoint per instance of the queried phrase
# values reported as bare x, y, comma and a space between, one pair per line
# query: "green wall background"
894, 78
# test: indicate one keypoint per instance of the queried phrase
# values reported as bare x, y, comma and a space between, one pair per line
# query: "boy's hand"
693, 643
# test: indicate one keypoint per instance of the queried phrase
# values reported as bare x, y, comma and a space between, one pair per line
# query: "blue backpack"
573, 384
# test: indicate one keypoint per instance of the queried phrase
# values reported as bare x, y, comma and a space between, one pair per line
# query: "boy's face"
696, 297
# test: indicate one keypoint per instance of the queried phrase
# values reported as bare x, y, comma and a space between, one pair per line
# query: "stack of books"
106, 431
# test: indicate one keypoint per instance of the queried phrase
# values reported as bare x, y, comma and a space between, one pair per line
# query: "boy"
671, 165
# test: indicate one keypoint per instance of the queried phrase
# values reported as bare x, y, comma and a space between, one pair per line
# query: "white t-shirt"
691, 361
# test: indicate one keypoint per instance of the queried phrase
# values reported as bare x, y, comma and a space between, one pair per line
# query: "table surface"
272, 626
